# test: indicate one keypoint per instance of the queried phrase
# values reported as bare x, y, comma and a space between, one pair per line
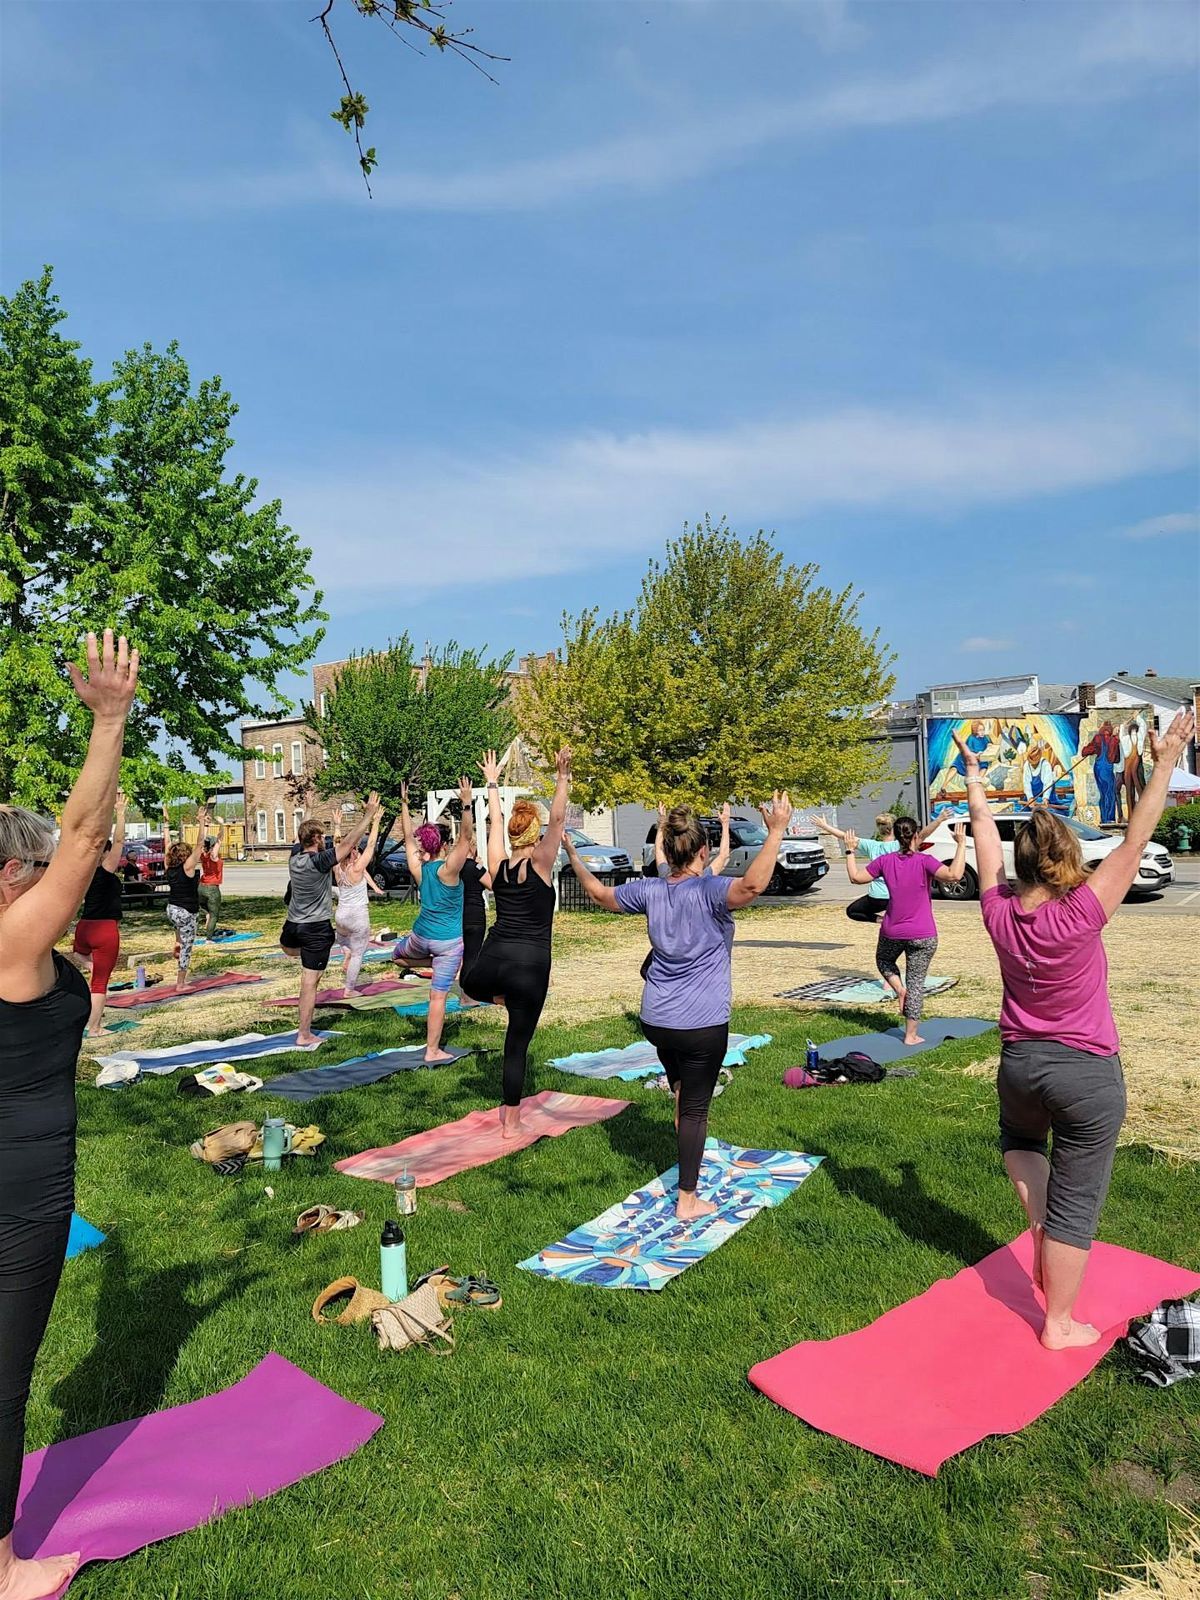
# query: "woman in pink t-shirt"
1059, 1068
908, 928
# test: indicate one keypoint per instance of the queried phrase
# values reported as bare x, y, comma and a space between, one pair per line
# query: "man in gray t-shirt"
308, 931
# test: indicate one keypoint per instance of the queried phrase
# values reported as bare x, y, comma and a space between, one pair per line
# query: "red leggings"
100, 938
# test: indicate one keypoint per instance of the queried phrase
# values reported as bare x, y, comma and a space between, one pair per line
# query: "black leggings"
520, 974
473, 936
31, 1262
867, 908
693, 1058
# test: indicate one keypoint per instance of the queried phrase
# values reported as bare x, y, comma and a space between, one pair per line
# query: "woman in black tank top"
44, 1005
513, 967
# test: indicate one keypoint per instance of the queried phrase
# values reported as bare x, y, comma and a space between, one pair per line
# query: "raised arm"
192, 864
989, 854
111, 859
744, 890
719, 862
496, 852
827, 827
216, 849
601, 894
371, 818
1113, 878
166, 829
953, 873
854, 871
36, 920
660, 855
464, 845
545, 852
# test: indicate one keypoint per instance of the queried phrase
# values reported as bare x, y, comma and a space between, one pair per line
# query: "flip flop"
326, 1219
480, 1292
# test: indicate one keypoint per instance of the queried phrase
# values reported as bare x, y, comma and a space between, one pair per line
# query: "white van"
1156, 869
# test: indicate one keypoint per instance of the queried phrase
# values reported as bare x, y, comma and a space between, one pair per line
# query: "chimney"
1124, 673
1149, 673
1086, 694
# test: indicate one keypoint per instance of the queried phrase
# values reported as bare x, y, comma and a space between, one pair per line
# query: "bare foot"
348, 993
915, 1039
36, 1580
510, 1121
1069, 1335
301, 1038
690, 1207
440, 1059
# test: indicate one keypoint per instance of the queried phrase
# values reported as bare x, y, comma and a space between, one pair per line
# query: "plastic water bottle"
139, 980
812, 1057
393, 1261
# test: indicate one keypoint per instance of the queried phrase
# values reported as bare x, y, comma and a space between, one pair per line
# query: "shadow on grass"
914, 1210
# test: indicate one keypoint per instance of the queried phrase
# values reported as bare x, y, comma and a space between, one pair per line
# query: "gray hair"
25, 837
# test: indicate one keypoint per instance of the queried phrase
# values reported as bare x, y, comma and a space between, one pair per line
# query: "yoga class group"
1060, 1086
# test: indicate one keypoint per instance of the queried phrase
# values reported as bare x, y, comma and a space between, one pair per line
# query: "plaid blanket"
1167, 1345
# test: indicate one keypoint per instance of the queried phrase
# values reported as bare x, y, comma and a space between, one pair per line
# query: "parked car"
801, 863
608, 861
390, 869
143, 867
1156, 869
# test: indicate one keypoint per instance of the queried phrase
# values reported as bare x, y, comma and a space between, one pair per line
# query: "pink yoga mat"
109, 1493
475, 1140
128, 998
962, 1360
327, 996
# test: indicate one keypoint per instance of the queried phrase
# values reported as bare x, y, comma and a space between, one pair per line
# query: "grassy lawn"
587, 1442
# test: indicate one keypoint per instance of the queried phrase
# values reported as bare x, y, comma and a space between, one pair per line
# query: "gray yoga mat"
889, 1046
352, 1074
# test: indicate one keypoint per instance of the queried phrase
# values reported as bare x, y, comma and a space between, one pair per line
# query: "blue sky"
913, 285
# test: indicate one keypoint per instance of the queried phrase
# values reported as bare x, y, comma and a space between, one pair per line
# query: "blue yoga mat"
890, 1046
353, 1074
420, 1008
640, 1244
82, 1236
641, 1059
204, 1052
234, 938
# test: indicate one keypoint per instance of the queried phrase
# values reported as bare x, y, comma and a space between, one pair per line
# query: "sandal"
326, 1219
479, 1292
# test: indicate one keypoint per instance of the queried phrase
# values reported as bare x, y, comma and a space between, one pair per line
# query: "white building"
1022, 692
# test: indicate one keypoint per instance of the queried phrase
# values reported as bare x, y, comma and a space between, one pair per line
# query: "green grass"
588, 1442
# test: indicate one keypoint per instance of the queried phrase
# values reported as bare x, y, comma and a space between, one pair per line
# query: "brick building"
281, 756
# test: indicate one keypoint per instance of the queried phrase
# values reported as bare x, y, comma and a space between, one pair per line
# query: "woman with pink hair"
437, 937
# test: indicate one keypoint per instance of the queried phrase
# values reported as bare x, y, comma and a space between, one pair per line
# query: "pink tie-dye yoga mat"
129, 998
963, 1360
475, 1140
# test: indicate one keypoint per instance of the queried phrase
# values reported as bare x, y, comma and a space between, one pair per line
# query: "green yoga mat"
372, 1002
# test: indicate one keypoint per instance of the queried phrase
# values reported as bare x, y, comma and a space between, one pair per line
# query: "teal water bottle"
393, 1261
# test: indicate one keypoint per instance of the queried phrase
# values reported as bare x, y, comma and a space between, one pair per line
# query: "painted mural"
1092, 768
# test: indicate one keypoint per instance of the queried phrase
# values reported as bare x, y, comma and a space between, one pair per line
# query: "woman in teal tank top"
437, 937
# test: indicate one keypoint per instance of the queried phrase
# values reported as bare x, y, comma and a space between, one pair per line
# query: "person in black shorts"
308, 931
44, 1006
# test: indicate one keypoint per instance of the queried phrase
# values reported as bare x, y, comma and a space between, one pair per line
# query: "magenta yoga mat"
963, 1360
109, 1493
162, 992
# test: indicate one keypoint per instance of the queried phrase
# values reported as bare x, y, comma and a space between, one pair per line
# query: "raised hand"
562, 762
373, 803
108, 688
970, 759
1170, 746
959, 831
662, 812
779, 813
122, 803
466, 794
725, 813
490, 767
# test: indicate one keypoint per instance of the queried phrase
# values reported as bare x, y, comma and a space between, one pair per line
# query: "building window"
297, 819
323, 702
260, 761
280, 828
297, 757
277, 761
260, 827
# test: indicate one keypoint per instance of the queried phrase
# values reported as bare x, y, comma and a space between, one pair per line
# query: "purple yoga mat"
109, 1493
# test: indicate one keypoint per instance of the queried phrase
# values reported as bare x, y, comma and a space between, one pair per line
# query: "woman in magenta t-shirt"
908, 928
1059, 1068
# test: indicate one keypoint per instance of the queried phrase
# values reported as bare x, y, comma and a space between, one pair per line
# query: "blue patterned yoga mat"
639, 1243
205, 1052
82, 1236
640, 1059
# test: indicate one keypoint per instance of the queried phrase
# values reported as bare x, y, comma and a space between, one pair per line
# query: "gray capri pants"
1046, 1087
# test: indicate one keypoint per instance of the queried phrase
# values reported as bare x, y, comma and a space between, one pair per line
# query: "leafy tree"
116, 509
391, 719
736, 673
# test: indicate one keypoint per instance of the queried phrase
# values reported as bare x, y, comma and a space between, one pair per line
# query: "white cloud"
979, 644
570, 504
1127, 50
1162, 527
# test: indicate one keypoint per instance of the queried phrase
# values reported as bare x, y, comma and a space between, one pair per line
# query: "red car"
144, 869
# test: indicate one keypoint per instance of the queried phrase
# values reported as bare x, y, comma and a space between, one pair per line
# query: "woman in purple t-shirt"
908, 928
689, 982
1059, 1068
